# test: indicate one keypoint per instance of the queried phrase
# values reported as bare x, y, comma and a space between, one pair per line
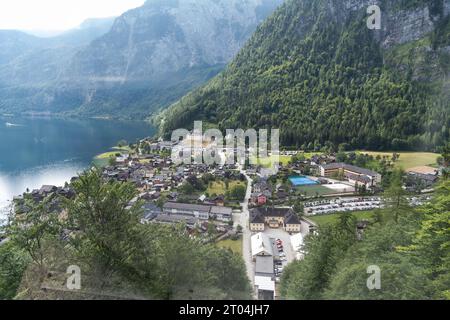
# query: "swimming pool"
302, 181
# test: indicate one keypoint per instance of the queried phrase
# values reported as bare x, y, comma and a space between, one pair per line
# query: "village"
264, 218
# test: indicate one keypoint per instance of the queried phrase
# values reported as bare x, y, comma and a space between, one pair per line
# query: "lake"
38, 151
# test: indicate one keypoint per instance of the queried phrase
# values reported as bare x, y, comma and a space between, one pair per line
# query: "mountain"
86, 32
316, 71
150, 57
14, 43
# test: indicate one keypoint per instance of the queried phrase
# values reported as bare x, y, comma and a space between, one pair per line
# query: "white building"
261, 245
265, 287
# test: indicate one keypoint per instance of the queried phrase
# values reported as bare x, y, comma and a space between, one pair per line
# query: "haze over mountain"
316, 71
150, 57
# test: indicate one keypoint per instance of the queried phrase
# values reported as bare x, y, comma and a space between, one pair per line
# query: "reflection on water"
15, 184
39, 151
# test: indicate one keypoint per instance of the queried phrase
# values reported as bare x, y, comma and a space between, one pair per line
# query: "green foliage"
395, 196
13, 262
238, 192
431, 245
306, 280
411, 249
324, 80
101, 233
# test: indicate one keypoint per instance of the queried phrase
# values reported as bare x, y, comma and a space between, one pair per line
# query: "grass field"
311, 191
218, 187
235, 246
107, 155
409, 159
334, 218
103, 159
115, 151
268, 162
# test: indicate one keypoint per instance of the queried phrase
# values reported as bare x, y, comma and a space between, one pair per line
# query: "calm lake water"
37, 151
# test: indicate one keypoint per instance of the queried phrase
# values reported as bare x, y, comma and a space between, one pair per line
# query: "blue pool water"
302, 181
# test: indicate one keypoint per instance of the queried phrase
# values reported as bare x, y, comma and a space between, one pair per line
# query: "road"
243, 220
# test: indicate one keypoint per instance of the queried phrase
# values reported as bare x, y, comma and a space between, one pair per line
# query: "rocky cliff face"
151, 56
401, 22
156, 53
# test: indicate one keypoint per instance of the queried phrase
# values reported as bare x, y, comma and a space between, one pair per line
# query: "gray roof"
351, 168
173, 218
256, 217
186, 206
292, 219
221, 210
273, 212
47, 188
264, 265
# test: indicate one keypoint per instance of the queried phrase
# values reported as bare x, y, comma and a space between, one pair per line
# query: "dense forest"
315, 71
119, 257
410, 247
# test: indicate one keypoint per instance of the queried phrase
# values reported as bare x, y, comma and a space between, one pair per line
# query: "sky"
58, 15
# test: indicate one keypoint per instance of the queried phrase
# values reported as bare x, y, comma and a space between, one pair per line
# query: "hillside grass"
334, 218
269, 161
219, 188
233, 245
409, 159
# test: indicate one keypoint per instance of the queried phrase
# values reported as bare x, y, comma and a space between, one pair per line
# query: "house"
261, 246
258, 199
355, 175
223, 214
47, 189
202, 212
274, 218
292, 223
265, 287
257, 221
198, 211
428, 176
122, 159
219, 201
174, 219
262, 186
264, 266
151, 211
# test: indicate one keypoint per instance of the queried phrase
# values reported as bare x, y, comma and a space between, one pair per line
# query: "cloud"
58, 14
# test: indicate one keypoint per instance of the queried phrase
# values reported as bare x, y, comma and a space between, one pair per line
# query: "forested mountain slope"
316, 71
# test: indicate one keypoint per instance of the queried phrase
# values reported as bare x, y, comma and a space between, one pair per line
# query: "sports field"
316, 190
302, 181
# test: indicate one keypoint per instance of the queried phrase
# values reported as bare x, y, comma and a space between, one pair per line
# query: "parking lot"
342, 205
287, 255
